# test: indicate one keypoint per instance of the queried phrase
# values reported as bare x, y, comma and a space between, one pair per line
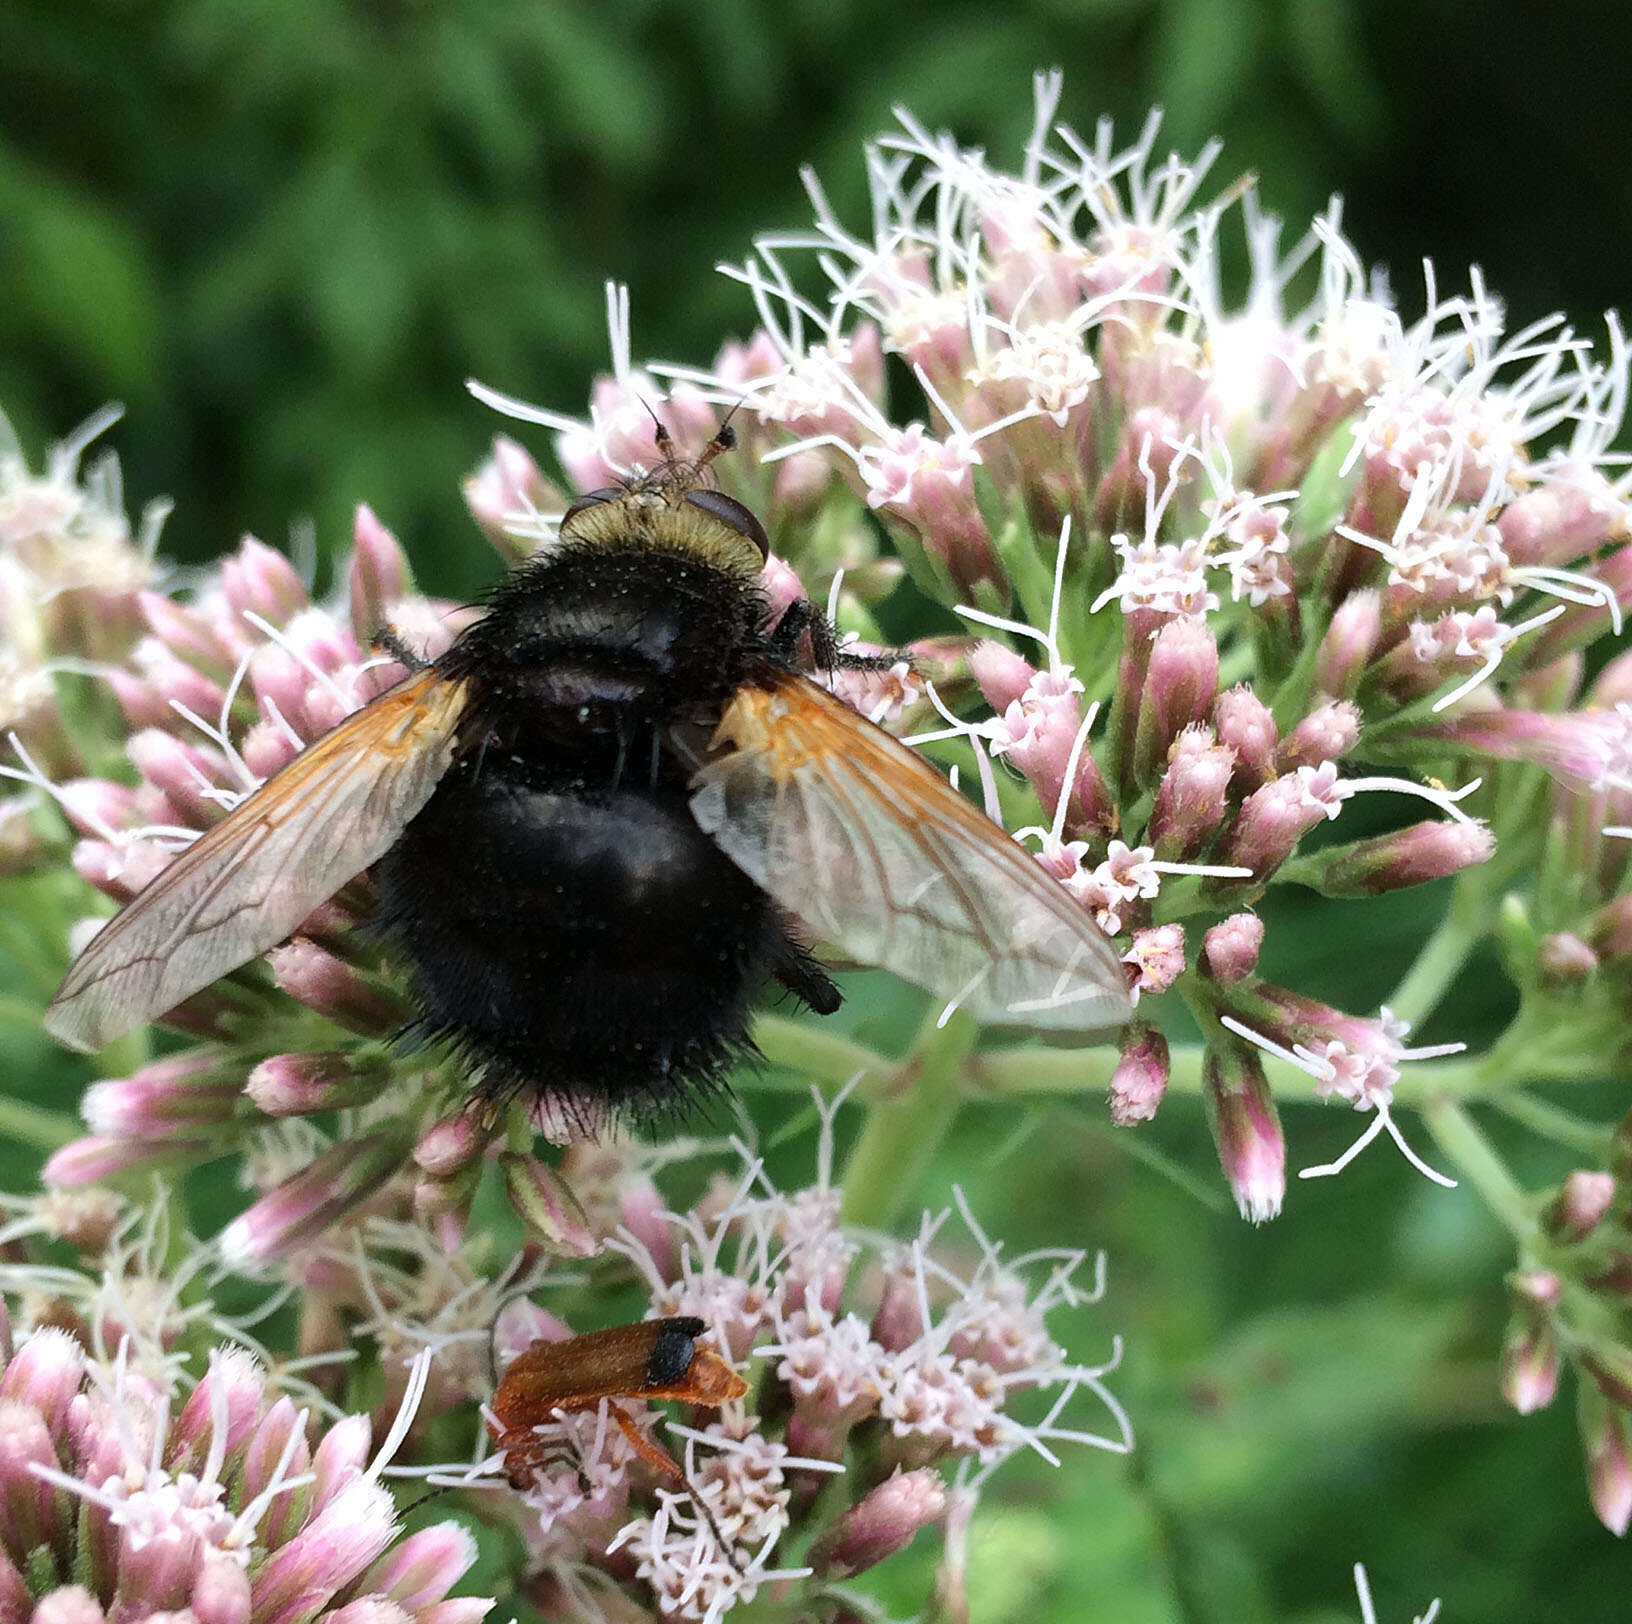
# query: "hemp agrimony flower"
1220, 564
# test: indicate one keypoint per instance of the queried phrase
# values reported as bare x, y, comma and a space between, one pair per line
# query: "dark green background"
283, 233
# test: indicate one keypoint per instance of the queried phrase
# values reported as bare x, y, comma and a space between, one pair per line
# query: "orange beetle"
653, 1360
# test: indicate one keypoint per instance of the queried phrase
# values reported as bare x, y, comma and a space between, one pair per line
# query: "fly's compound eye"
729, 511
607, 493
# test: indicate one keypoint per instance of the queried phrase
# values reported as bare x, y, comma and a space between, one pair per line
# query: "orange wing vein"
249, 881
878, 854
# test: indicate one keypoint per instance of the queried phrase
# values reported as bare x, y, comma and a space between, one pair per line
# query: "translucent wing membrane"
247, 883
879, 855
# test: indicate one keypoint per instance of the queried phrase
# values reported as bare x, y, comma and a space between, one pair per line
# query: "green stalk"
817, 1056
35, 1127
1088, 1071
904, 1129
1468, 919
1473, 1156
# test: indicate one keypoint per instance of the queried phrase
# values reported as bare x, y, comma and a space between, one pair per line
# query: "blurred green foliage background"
284, 231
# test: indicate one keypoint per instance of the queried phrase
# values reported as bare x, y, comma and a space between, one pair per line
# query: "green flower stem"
35, 1127
1473, 1157
1468, 919
904, 1129
818, 1056
1552, 1122
1088, 1071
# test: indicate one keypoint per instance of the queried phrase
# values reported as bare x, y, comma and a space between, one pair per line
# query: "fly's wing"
246, 884
878, 854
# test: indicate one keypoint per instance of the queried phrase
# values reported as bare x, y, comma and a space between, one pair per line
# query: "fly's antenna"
725, 439
665, 440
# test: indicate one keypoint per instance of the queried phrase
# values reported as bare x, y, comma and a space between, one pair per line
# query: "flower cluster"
1272, 542
133, 1492
885, 1372
1222, 565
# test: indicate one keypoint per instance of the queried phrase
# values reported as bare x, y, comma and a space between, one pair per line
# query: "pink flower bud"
1538, 1286
898, 1321
1604, 1434
641, 1207
1156, 958
181, 1093
424, 1567
440, 1199
183, 772
221, 1592
457, 1610
1271, 822
308, 1202
521, 1323
546, 1204
1245, 724
1575, 512
280, 684
335, 1548
508, 488
1038, 731
260, 581
1149, 441
170, 682
191, 636
342, 1452
1229, 951
1327, 733
94, 805
1580, 1205
323, 643
452, 1143
1610, 1367
1610, 932
45, 1373
780, 583
140, 702
1192, 797
1140, 1078
1580, 626
1246, 1129
925, 485
231, 1388
321, 981
69, 1604
303, 1084
1002, 674
1181, 683
26, 1514
1563, 960
881, 1523
121, 870
1529, 1362
1349, 644
266, 748
1411, 856
379, 575
280, 1429
95, 1158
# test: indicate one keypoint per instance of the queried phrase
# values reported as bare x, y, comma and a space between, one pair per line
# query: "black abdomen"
592, 945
